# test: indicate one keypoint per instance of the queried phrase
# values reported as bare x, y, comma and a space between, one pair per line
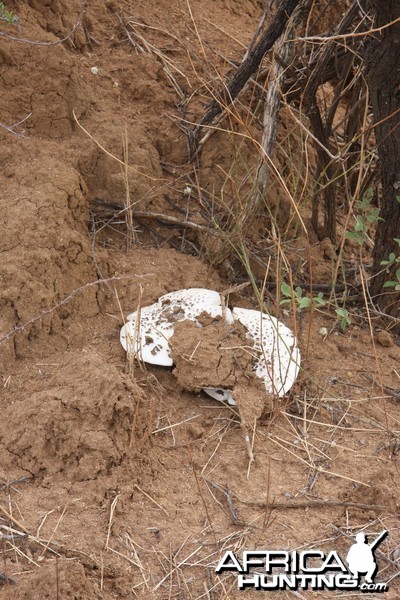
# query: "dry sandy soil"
119, 482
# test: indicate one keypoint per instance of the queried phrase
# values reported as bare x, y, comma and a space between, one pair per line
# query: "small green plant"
388, 264
344, 316
302, 300
7, 15
367, 216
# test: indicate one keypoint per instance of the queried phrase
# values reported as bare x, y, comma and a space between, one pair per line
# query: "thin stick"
376, 360
54, 530
319, 469
312, 504
17, 523
19, 551
195, 28
175, 424
116, 209
118, 160
124, 556
345, 36
18, 480
155, 588
152, 499
131, 236
251, 456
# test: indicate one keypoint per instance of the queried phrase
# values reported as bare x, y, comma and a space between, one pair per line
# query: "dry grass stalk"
115, 158
131, 236
151, 499
175, 424
111, 520
131, 29
178, 566
61, 517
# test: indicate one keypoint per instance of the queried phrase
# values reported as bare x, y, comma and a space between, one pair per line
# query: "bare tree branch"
251, 63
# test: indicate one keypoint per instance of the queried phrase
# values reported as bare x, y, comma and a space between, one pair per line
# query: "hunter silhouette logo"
309, 569
361, 558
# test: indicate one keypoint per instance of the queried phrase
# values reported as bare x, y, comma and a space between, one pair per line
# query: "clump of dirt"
219, 355
62, 428
214, 355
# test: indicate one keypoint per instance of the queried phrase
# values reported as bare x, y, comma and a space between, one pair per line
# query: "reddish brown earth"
134, 487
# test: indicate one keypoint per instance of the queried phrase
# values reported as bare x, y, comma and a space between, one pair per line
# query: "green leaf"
360, 226
319, 300
285, 301
368, 195
286, 290
298, 292
351, 236
360, 241
389, 284
304, 302
374, 216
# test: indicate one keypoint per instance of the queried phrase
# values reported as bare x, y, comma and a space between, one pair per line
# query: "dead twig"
111, 520
8, 580
12, 519
116, 209
152, 499
229, 501
312, 504
9, 484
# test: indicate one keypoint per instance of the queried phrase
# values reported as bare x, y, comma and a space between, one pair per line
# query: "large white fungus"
277, 357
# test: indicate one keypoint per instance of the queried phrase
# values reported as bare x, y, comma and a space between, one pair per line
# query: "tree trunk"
382, 61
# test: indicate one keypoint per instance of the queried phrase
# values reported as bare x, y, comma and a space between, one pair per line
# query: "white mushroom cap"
156, 322
277, 359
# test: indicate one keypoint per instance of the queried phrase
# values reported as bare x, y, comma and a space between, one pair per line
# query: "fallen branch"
114, 209
313, 504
